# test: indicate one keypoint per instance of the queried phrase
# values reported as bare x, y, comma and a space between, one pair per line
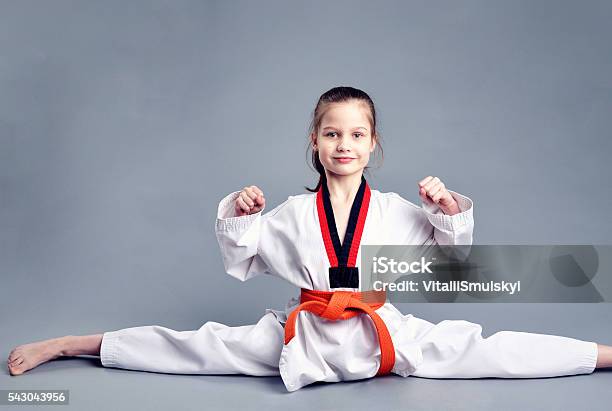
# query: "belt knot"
342, 305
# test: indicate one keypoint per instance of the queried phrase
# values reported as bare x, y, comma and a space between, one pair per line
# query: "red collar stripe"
362, 201
329, 246
363, 212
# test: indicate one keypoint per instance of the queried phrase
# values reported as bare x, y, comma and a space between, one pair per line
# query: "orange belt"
342, 305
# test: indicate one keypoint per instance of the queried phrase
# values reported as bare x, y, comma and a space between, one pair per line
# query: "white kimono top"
287, 242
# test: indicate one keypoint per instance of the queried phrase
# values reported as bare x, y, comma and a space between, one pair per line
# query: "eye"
358, 135
330, 133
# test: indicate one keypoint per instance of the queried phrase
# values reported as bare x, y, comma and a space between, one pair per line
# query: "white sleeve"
238, 239
451, 229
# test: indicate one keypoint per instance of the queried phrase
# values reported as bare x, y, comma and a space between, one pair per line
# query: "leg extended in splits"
451, 349
456, 349
212, 349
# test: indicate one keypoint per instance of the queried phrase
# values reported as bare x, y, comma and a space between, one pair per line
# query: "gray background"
122, 124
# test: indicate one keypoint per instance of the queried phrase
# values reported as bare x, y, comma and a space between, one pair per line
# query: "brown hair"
338, 95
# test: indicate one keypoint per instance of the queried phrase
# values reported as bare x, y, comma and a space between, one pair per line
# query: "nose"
343, 144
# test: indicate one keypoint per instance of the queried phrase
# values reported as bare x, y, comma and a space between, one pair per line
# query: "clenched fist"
432, 190
250, 200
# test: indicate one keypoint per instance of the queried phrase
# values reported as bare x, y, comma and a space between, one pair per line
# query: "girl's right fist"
250, 200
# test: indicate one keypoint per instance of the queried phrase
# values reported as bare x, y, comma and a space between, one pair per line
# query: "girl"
333, 332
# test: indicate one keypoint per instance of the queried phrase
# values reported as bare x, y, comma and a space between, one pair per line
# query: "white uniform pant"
451, 349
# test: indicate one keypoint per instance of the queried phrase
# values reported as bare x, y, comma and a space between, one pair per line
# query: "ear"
313, 139
373, 144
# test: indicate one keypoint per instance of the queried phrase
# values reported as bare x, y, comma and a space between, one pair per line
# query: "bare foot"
27, 356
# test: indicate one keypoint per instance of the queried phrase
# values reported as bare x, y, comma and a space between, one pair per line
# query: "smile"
344, 159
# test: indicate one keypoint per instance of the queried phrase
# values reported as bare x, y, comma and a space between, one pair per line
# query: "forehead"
346, 114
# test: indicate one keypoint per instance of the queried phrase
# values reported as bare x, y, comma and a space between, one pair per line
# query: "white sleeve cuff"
451, 222
226, 218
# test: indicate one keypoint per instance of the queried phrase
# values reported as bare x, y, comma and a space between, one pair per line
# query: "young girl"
333, 332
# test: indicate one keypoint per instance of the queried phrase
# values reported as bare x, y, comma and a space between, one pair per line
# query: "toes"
18, 366
14, 354
15, 370
13, 357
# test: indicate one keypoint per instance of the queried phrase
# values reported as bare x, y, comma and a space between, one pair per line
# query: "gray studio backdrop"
122, 125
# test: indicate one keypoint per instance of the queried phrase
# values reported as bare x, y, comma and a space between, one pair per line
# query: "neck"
343, 188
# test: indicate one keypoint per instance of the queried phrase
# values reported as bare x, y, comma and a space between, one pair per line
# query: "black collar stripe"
342, 251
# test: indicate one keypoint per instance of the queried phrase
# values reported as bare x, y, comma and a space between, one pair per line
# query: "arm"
454, 229
238, 239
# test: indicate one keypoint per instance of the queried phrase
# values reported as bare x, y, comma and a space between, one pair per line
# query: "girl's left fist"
432, 190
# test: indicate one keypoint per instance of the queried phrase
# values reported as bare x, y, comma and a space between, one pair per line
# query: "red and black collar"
342, 257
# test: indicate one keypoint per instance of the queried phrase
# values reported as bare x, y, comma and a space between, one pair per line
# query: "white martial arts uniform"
287, 242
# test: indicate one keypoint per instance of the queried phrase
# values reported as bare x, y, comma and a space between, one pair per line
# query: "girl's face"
344, 140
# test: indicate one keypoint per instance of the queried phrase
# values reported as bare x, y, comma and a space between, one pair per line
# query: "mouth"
344, 159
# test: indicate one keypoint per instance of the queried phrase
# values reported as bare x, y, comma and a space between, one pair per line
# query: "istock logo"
384, 265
